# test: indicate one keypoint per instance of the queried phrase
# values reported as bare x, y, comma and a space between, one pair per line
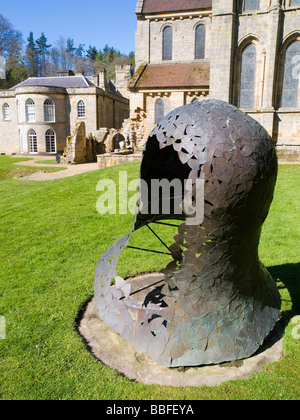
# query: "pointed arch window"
50, 139
168, 43
290, 87
200, 42
159, 110
49, 111
81, 109
247, 81
6, 112
32, 142
30, 110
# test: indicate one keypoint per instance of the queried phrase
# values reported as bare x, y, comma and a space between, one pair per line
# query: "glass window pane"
32, 142
252, 5
248, 70
291, 76
50, 142
6, 112
49, 111
159, 110
30, 111
294, 2
81, 109
168, 43
200, 42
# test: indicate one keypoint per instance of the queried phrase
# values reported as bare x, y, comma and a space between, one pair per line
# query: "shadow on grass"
289, 275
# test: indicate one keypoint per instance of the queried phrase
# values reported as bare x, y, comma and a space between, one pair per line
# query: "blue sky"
89, 22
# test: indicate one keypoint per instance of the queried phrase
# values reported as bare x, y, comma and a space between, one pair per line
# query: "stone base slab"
113, 351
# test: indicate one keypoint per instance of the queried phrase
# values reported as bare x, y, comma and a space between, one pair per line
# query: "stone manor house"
40, 113
245, 52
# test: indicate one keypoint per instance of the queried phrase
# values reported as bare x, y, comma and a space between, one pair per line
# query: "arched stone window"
30, 110
49, 111
290, 86
168, 43
200, 42
118, 141
81, 109
6, 112
32, 141
251, 5
159, 110
50, 139
247, 80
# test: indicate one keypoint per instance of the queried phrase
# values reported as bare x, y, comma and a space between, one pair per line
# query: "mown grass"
51, 239
47, 162
8, 170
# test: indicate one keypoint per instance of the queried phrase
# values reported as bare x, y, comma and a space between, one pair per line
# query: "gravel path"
71, 170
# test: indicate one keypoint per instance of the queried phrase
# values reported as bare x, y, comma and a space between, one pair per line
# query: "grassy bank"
51, 239
9, 168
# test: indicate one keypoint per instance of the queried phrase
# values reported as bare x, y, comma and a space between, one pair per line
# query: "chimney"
100, 79
65, 73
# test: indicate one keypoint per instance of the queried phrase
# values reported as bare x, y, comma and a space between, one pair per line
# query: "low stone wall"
288, 153
108, 160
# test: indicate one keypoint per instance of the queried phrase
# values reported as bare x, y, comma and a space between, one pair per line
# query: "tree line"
36, 57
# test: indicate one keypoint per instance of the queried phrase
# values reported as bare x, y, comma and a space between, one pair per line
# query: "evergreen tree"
42, 49
92, 53
100, 56
31, 56
131, 58
80, 50
70, 51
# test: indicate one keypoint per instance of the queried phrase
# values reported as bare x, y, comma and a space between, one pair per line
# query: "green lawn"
47, 162
8, 170
51, 239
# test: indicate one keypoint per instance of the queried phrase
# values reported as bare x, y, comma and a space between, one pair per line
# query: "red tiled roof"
173, 76
157, 6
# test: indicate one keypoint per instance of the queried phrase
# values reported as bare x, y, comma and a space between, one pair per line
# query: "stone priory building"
245, 52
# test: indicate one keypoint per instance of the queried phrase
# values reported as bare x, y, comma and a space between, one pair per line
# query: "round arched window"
30, 110
6, 112
49, 111
50, 139
81, 109
32, 141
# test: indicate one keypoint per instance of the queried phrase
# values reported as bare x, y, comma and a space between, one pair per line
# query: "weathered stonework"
80, 148
229, 29
104, 107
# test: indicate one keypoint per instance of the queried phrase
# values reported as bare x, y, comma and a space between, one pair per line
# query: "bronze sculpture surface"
218, 303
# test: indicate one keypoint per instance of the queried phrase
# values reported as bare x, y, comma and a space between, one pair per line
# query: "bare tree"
11, 41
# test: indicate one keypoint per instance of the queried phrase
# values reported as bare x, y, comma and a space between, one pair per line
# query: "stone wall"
270, 29
60, 125
229, 29
80, 148
9, 136
102, 109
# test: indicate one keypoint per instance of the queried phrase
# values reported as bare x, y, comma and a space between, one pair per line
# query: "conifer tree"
42, 49
31, 56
